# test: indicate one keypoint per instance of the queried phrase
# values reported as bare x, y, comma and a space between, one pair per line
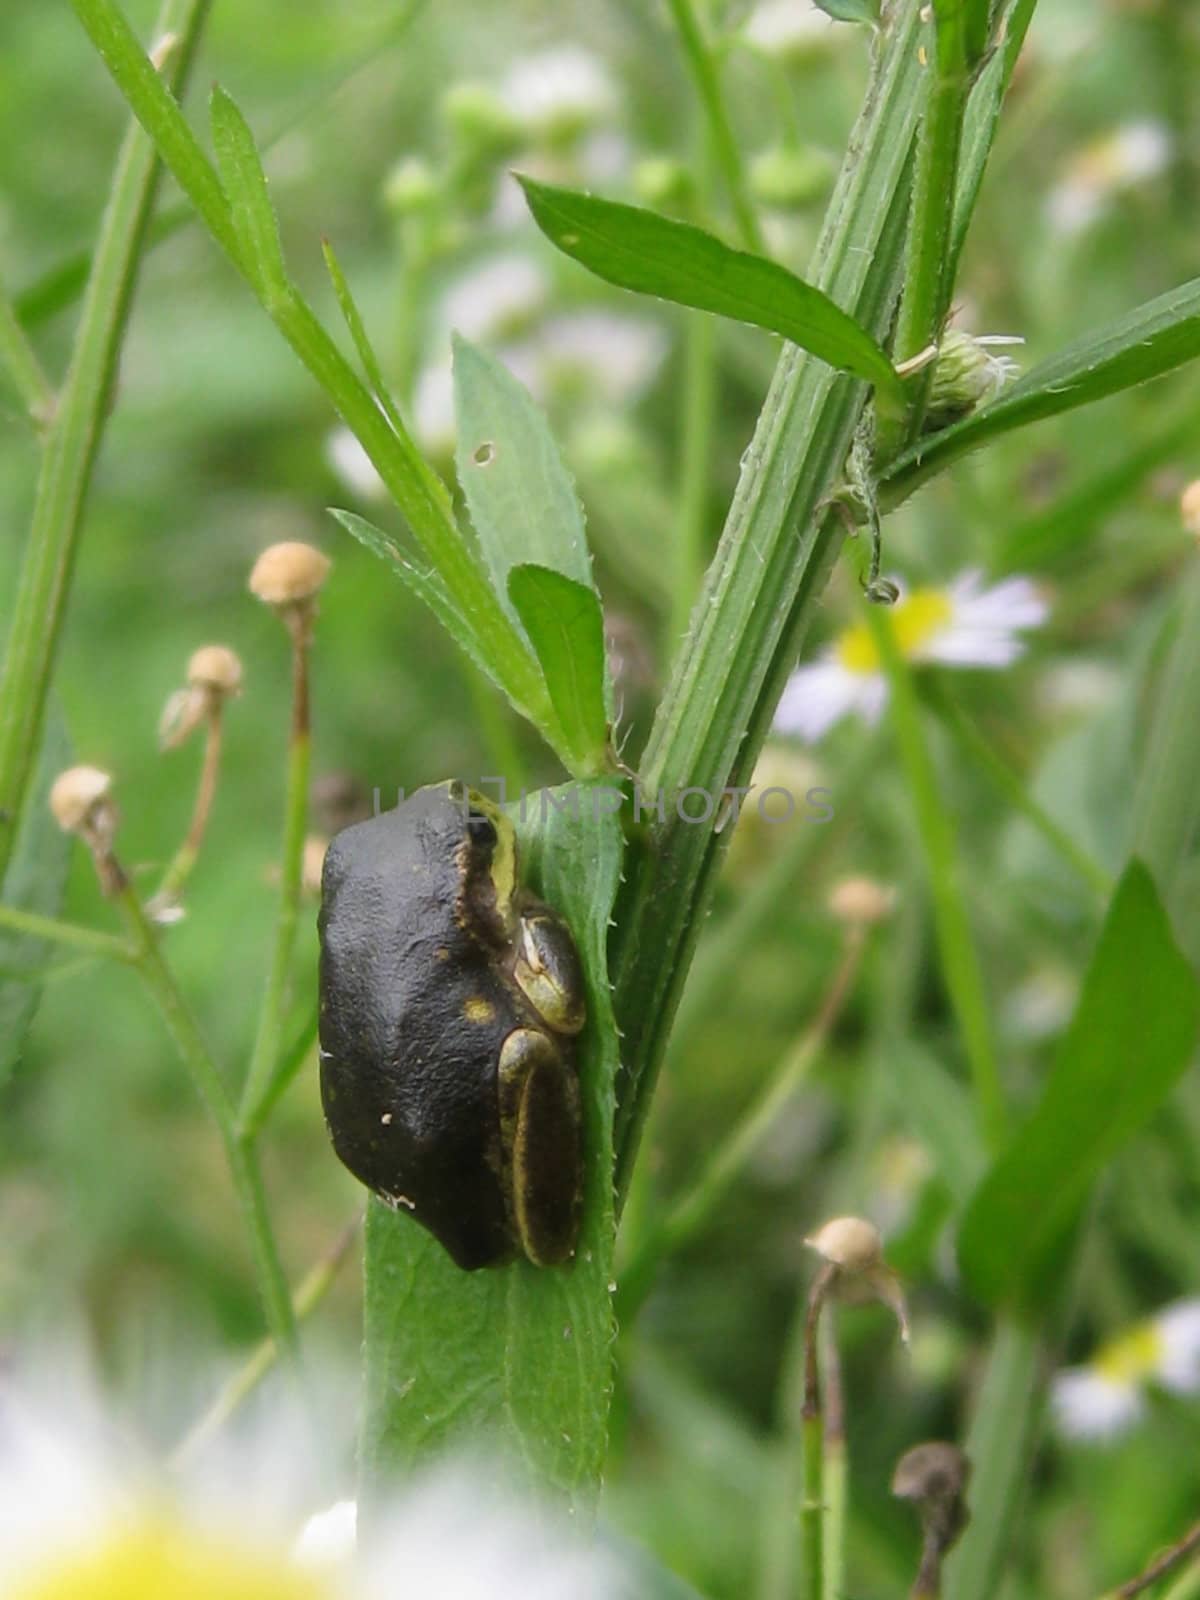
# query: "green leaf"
358, 332
566, 628
517, 1357
1144, 344
639, 250
1131, 1039
520, 495
424, 583
850, 10
245, 186
35, 881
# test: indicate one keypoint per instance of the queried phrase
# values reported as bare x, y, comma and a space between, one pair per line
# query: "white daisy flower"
83, 1516
789, 30
612, 358
558, 94
961, 625
353, 465
495, 298
1107, 1396
1118, 161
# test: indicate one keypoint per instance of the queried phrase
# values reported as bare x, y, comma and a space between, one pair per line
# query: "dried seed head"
217, 668
855, 1271
1189, 508
851, 1243
861, 901
80, 799
288, 574
932, 1471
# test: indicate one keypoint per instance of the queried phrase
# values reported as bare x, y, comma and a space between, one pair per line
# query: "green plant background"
115, 1210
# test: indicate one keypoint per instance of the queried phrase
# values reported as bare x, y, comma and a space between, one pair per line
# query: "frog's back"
411, 1015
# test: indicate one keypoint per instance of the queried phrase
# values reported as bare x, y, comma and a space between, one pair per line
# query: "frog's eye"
481, 829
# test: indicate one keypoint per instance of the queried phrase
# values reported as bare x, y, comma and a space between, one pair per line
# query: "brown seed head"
288, 574
80, 797
851, 1243
861, 901
217, 668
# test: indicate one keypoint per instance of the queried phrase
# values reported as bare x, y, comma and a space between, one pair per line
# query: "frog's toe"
547, 1158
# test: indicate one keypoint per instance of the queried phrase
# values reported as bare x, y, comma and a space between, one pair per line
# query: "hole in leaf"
484, 454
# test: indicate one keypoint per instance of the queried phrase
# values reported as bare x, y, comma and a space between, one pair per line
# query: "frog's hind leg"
540, 1118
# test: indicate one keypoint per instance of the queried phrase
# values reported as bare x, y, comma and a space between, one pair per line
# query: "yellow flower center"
161, 1561
914, 621
1131, 1358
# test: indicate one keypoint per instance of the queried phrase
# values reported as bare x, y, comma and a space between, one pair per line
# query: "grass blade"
1131, 1038
245, 185
640, 250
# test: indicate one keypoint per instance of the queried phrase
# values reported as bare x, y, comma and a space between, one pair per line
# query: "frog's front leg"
540, 1127
547, 970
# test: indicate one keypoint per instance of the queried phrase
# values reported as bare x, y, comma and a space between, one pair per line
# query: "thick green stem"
956, 944
73, 439
703, 67
699, 392
762, 587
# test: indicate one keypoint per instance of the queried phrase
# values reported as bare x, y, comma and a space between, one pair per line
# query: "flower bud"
1189, 508
861, 901
80, 800
478, 117
410, 188
788, 178
665, 183
288, 574
965, 375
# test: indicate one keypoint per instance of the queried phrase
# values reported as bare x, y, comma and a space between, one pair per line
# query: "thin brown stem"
185, 857
1178, 1553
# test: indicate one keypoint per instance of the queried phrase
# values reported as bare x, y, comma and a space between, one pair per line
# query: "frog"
451, 1001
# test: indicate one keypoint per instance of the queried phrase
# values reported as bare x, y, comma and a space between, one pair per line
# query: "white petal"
328, 1539
566, 85
353, 465
494, 296
1012, 603
969, 647
456, 1536
433, 409
1088, 1405
618, 355
823, 693
1179, 1329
